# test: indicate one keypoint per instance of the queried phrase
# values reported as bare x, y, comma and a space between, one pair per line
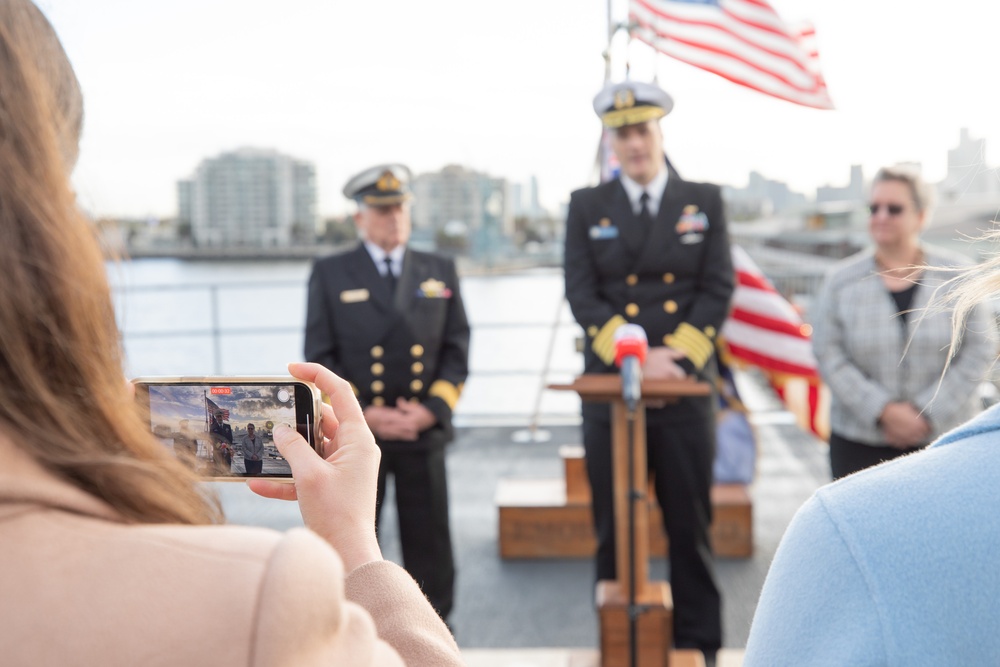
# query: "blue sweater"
895, 565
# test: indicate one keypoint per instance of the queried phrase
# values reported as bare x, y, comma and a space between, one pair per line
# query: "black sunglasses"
893, 209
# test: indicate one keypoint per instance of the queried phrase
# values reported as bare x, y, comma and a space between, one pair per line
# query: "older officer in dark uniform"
391, 321
652, 249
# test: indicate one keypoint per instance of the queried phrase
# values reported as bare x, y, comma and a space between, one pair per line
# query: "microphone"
630, 353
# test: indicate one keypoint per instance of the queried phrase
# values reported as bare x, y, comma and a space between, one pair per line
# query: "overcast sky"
503, 87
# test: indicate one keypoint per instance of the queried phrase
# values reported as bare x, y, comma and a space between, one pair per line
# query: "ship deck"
540, 613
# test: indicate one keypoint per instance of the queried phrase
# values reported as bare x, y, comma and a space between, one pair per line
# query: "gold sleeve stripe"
688, 342
693, 343
446, 391
604, 341
701, 346
697, 337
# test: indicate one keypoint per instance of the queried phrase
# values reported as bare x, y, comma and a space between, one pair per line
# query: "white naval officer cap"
631, 102
381, 185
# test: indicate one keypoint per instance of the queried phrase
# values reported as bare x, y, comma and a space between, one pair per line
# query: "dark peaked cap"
381, 185
631, 102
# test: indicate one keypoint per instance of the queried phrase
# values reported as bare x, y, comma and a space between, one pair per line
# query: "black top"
903, 299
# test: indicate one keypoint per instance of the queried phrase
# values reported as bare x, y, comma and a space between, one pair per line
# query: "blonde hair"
973, 286
63, 396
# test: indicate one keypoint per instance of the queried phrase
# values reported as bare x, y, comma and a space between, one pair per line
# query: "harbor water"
180, 317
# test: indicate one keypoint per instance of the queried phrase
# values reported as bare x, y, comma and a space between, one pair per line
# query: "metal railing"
219, 331
218, 326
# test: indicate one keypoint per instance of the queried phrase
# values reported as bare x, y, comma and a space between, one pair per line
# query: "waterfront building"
249, 197
854, 192
463, 207
967, 170
761, 198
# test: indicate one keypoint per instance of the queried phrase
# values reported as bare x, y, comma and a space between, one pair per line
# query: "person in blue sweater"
897, 564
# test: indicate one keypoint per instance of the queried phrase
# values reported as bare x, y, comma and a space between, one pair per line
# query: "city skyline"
503, 90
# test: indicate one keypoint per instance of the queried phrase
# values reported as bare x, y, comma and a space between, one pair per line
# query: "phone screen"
223, 428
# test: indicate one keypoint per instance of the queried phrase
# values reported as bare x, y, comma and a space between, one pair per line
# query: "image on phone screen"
225, 430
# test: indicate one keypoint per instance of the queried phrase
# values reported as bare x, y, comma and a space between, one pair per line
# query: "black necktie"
390, 277
645, 216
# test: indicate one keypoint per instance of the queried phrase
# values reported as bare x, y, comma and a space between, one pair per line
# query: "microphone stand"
634, 610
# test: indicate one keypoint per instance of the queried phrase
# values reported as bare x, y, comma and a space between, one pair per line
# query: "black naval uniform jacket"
674, 279
414, 346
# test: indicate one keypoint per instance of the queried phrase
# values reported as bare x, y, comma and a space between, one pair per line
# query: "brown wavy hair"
63, 396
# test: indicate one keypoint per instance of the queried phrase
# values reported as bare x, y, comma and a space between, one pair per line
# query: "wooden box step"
575, 473
654, 627
537, 520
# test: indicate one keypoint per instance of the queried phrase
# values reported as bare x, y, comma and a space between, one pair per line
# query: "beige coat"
79, 587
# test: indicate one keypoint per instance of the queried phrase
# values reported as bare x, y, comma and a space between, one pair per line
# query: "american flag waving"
744, 41
765, 330
211, 408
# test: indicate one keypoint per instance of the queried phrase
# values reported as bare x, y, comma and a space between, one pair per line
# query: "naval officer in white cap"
652, 249
391, 321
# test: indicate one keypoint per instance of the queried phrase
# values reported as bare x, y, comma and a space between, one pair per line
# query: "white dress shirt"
654, 189
379, 255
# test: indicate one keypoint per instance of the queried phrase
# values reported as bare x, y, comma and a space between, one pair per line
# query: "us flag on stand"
606, 158
765, 330
744, 41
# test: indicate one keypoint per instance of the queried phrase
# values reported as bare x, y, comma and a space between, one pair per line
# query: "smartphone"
222, 426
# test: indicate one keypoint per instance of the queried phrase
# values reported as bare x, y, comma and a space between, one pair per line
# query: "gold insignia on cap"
377, 369
377, 352
417, 350
387, 182
624, 99
416, 385
378, 386
631, 310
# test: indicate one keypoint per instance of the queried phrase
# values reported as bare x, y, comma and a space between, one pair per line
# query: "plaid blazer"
869, 357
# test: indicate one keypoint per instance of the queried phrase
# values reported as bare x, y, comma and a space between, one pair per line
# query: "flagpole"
607, 51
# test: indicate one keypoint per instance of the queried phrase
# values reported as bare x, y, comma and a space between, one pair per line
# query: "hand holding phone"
335, 484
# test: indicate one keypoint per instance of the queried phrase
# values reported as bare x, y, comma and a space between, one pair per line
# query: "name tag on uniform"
354, 295
603, 232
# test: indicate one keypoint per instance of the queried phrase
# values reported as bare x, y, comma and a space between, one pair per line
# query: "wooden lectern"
655, 624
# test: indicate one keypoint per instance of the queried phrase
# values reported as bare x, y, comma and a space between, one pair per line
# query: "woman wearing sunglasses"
881, 350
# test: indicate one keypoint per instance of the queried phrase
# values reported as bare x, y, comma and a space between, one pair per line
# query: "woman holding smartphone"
109, 554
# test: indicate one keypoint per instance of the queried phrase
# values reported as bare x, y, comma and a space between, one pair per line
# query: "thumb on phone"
300, 456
